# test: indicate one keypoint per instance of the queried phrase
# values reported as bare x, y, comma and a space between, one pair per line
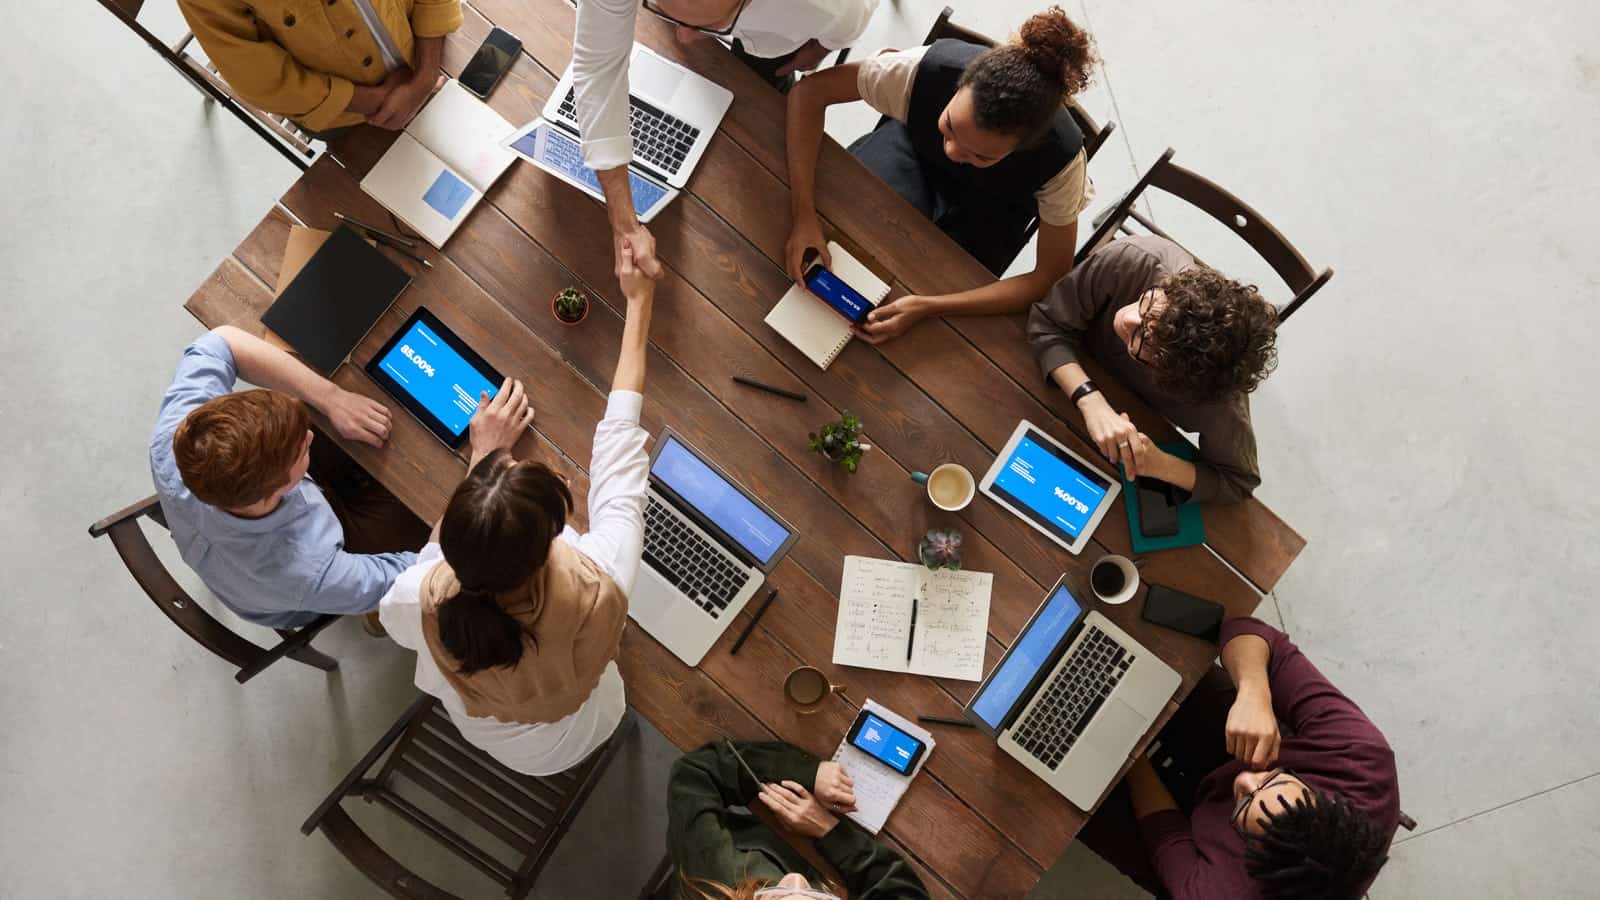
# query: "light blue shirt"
279, 570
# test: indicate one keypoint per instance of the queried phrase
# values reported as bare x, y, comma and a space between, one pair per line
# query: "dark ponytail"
1018, 87
496, 534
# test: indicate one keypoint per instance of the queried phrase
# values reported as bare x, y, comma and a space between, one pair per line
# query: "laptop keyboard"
688, 561
660, 139
1069, 700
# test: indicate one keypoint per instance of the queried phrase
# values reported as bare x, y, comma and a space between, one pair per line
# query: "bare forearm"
806, 115
430, 54
1008, 295
266, 366
1148, 793
635, 343
619, 198
1245, 658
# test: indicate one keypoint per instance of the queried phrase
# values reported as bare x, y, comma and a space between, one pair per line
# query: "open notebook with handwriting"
875, 625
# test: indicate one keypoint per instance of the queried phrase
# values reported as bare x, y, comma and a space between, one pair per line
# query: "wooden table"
976, 824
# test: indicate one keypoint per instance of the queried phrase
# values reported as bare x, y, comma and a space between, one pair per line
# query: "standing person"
1307, 812
515, 617
725, 855
978, 140
327, 64
1188, 340
797, 32
277, 547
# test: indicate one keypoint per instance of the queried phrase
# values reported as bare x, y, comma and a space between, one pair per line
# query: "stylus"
769, 388
941, 720
753, 620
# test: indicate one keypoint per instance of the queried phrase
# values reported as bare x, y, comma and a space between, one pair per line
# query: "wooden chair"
1200, 192
279, 131
527, 814
147, 569
659, 886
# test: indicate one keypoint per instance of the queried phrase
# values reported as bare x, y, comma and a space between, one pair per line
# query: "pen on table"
761, 611
781, 392
910, 638
378, 233
942, 720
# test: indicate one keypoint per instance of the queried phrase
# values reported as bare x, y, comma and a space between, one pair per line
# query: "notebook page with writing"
812, 325
874, 623
878, 788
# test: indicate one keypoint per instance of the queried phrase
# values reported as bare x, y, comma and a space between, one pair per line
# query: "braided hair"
1316, 848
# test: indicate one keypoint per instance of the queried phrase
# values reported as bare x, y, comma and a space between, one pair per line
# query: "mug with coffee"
950, 486
806, 687
1114, 579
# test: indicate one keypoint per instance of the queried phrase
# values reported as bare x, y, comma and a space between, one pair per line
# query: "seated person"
788, 36
516, 619
276, 547
725, 855
327, 63
979, 141
1308, 812
1191, 342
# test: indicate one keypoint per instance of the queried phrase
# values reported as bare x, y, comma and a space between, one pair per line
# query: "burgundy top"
1328, 743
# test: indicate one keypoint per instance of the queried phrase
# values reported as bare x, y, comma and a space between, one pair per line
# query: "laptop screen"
718, 501
561, 151
1032, 651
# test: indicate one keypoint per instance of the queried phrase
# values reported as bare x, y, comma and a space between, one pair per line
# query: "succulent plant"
940, 548
571, 305
840, 442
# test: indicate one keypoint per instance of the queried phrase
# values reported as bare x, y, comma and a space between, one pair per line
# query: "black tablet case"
335, 300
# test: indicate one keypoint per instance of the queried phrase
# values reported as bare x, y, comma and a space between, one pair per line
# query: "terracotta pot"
555, 312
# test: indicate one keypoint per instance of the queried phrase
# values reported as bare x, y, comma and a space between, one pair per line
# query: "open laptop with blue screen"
708, 546
558, 151
1072, 697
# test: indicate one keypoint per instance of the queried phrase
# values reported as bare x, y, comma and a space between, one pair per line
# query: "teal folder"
1191, 530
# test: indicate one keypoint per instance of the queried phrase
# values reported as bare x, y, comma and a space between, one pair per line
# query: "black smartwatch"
1082, 391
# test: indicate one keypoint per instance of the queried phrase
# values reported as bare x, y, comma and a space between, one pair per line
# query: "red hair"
237, 449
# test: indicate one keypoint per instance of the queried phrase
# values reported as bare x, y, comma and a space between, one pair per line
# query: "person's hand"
1252, 729
405, 101
499, 422
367, 99
797, 809
638, 240
635, 285
357, 418
1113, 432
805, 238
808, 57
891, 320
835, 789
1147, 459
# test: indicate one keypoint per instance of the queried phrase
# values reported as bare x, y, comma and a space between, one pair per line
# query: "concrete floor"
1428, 431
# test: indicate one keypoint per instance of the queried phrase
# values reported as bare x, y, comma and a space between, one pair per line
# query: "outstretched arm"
808, 105
640, 291
355, 417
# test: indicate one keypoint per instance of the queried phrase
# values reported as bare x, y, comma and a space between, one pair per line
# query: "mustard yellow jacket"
303, 58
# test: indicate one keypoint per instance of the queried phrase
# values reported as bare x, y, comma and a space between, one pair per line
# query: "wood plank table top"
975, 823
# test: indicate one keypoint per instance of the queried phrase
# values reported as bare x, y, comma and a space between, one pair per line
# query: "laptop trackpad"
654, 77
1116, 729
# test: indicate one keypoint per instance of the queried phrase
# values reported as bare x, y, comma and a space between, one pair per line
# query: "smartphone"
885, 743
1183, 612
491, 62
1158, 511
845, 300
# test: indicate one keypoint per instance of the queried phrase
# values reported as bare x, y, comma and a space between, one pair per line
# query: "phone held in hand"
830, 289
490, 63
1158, 508
1183, 612
885, 743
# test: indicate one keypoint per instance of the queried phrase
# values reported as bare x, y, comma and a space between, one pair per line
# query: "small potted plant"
840, 442
940, 548
570, 306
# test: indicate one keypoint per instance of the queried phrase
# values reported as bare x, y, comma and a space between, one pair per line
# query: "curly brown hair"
1213, 339
1018, 87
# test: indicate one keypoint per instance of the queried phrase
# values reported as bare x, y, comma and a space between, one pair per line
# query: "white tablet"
1053, 489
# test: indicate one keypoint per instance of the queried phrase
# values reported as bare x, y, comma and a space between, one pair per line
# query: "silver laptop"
708, 546
1072, 696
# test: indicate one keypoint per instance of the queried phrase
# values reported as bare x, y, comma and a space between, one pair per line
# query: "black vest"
1010, 182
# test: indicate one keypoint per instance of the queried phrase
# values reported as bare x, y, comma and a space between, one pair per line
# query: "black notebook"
335, 300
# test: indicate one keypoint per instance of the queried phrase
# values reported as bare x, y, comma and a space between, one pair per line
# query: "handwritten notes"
878, 788
875, 620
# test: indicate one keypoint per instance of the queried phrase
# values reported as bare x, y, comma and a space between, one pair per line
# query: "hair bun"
1061, 50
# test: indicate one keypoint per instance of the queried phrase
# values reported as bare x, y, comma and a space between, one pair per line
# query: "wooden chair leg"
297, 646
1407, 822
374, 862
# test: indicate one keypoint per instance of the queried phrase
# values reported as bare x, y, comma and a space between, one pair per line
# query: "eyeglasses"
795, 892
1136, 341
1239, 809
654, 7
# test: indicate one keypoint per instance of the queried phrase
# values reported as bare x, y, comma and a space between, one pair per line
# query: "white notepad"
442, 164
812, 325
878, 788
952, 628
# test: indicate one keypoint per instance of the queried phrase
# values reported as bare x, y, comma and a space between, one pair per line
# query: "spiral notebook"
878, 788
812, 325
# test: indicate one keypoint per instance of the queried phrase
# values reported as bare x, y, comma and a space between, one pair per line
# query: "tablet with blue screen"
434, 375
1056, 491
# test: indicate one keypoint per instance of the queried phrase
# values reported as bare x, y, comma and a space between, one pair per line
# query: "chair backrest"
526, 815
1239, 217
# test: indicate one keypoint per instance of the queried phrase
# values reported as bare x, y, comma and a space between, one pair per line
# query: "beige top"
885, 82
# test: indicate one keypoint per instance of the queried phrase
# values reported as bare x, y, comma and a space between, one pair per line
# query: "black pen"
913, 635
752, 626
941, 720
781, 392
404, 252
393, 239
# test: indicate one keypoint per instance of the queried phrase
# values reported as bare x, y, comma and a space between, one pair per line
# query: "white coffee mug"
1125, 568
950, 486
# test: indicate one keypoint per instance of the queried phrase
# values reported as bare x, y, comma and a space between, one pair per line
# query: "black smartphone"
885, 743
1158, 509
1183, 612
491, 62
845, 300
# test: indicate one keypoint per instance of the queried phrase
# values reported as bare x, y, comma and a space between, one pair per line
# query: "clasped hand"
811, 815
